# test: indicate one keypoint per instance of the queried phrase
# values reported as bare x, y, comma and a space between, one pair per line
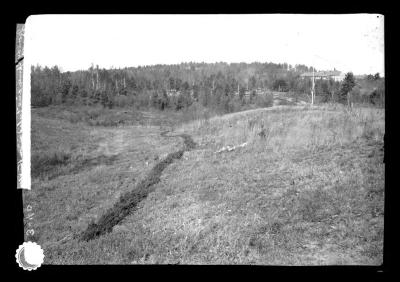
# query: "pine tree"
346, 87
65, 87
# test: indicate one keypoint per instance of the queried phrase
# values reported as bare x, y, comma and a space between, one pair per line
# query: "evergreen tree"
347, 85
65, 87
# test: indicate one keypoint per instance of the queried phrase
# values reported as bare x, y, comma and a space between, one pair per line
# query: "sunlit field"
305, 188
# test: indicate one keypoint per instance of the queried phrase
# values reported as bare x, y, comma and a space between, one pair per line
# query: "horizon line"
61, 68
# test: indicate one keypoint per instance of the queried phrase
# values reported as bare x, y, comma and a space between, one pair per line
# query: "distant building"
335, 75
361, 76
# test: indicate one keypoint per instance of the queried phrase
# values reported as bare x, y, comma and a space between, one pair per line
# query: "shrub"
121, 101
197, 111
377, 97
235, 103
264, 100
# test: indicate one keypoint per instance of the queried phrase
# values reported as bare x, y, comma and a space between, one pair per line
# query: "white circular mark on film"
29, 255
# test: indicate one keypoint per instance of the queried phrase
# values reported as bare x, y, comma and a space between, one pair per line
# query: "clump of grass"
47, 162
81, 162
315, 205
54, 163
104, 117
93, 113
110, 121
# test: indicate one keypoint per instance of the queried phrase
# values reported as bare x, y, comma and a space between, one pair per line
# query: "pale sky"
345, 42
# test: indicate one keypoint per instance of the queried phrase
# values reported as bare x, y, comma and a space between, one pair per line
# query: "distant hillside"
218, 85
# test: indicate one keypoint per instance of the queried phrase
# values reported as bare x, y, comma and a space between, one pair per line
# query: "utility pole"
313, 87
97, 80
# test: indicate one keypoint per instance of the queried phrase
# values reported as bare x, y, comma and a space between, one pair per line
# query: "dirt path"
128, 201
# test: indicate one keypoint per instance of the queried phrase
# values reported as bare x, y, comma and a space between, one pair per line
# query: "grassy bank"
307, 189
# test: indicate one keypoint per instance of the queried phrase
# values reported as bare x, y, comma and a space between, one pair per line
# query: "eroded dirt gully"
128, 201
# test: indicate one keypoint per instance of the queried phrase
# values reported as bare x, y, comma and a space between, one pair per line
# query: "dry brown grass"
289, 128
307, 192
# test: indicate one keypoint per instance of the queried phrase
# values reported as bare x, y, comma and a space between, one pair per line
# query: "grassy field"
306, 189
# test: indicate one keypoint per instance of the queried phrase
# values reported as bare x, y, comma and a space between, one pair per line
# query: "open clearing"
308, 189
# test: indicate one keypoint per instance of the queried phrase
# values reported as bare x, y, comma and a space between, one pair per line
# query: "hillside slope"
306, 189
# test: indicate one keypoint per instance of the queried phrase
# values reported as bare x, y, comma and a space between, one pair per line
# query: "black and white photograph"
202, 139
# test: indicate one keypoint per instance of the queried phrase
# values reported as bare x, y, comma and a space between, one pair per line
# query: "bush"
235, 104
197, 111
121, 101
264, 100
377, 97
40, 101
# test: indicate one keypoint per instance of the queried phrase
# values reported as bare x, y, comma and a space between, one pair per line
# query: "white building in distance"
335, 75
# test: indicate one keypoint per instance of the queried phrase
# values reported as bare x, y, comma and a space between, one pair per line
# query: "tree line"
219, 85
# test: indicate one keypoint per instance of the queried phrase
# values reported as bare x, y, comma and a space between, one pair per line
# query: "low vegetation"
308, 189
220, 87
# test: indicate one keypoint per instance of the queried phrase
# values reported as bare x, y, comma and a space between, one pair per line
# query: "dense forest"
222, 86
